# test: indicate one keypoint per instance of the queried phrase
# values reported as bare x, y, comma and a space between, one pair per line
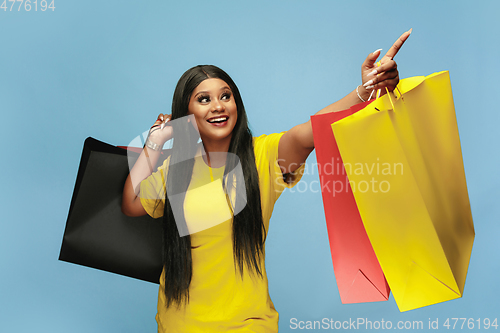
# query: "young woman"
214, 278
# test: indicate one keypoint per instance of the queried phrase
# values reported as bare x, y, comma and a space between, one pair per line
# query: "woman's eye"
226, 96
203, 99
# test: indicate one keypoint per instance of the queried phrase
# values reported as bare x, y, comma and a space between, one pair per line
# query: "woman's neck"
215, 152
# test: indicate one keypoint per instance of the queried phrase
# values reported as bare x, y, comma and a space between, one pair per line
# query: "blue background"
106, 69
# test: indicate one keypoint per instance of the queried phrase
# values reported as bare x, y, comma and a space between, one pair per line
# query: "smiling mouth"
218, 120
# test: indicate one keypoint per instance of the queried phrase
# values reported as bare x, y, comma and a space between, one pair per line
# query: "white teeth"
217, 119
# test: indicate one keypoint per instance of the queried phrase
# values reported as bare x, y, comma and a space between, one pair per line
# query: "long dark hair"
248, 226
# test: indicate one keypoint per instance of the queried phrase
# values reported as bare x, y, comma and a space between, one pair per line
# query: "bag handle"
390, 99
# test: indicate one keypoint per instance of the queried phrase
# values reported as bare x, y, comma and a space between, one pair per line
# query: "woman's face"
214, 109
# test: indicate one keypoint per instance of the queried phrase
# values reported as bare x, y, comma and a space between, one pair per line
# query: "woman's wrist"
363, 93
151, 144
155, 140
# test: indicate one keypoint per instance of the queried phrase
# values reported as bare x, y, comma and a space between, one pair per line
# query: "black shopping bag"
97, 233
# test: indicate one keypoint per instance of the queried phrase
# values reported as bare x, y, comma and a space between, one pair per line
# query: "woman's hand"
160, 132
386, 75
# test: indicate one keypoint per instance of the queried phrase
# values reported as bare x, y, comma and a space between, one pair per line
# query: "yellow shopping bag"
404, 162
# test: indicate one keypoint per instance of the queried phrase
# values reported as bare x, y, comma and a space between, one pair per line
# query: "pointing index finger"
397, 45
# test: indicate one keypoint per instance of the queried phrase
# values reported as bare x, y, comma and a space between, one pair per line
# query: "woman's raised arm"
296, 144
143, 167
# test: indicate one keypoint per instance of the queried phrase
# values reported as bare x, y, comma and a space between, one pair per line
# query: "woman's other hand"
386, 75
160, 131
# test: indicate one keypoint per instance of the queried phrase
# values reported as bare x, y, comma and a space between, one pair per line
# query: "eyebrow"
207, 92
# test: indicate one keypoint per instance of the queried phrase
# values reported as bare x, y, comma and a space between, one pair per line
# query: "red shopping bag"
357, 270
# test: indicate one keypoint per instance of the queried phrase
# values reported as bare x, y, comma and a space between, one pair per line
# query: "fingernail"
368, 83
369, 87
409, 31
377, 51
161, 117
162, 125
373, 72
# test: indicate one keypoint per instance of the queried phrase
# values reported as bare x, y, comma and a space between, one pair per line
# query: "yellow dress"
221, 300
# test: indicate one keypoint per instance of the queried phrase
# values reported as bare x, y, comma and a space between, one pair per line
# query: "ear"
191, 120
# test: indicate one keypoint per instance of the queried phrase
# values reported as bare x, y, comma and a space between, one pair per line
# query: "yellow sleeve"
270, 175
152, 191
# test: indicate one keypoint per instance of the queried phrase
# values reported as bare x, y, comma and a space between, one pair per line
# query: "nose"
217, 106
